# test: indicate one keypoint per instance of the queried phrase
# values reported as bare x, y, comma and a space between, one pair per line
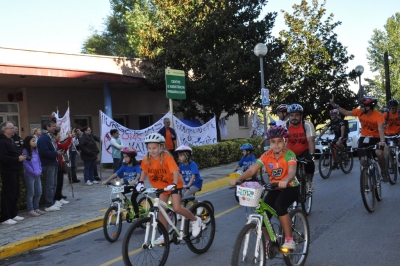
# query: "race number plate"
117, 189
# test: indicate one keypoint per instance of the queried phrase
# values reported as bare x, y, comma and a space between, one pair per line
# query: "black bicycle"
305, 198
391, 158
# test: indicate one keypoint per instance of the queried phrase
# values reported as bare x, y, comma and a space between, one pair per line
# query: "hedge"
224, 152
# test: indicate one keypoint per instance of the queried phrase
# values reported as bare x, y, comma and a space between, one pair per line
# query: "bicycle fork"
257, 218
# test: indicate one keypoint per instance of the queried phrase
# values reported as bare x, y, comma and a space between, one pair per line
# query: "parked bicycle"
305, 198
249, 248
139, 246
112, 222
392, 157
370, 179
332, 158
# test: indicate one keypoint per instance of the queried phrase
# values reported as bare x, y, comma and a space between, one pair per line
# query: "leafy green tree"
314, 63
387, 40
212, 41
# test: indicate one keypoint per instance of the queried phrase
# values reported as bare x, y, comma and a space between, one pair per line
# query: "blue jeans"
88, 170
73, 156
50, 184
33, 192
117, 164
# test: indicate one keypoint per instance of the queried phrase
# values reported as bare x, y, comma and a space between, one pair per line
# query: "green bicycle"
249, 248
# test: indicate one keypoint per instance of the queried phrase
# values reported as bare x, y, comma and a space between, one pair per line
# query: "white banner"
64, 123
257, 128
186, 135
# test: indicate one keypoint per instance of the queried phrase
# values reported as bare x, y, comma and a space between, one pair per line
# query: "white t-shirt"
282, 122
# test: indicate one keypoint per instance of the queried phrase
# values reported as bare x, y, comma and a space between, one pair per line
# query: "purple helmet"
277, 132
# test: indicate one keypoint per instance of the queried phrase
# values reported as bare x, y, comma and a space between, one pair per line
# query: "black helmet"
392, 103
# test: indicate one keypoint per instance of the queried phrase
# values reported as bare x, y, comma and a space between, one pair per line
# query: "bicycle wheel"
111, 228
301, 236
204, 240
346, 162
137, 251
325, 165
246, 250
306, 205
367, 190
378, 186
145, 205
392, 167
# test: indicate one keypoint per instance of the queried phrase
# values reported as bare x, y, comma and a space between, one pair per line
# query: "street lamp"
386, 59
261, 50
359, 70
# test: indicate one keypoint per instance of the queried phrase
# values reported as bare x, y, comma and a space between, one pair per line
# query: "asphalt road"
342, 231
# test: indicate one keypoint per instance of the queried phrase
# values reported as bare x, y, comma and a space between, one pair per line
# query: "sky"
62, 26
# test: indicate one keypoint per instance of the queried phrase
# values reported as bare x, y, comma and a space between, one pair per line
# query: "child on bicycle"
281, 166
247, 159
159, 165
130, 173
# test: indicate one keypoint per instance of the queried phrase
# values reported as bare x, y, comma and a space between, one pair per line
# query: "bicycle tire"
306, 206
325, 165
378, 186
346, 162
112, 230
367, 190
204, 240
393, 175
249, 231
305, 196
136, 252
209, 204
301, 236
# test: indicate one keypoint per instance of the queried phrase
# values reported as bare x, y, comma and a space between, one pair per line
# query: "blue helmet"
295, 108
246, 147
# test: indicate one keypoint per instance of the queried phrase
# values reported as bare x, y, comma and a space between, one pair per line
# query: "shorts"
309, 167
175, 191
361, 144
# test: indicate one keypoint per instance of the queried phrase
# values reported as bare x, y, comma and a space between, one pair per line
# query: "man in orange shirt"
371, 127
169, 134
392, 118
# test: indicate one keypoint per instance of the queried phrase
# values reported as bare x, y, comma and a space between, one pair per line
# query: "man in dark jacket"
11, 167
89, 151
170, 136
48, 154
17, 139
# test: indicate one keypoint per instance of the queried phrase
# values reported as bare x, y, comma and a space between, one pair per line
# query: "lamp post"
386, 59
359, 70
261, 50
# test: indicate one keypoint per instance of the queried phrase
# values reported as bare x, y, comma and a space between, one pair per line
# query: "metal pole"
387, 77
262, 87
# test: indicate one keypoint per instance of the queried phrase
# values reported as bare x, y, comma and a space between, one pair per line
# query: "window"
82, 121
121, 119
243, 120
145, 120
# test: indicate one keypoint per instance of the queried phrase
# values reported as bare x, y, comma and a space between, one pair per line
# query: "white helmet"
183, 148
154, 138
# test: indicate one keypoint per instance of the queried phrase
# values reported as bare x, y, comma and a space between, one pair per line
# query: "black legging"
60, 183
135, 194
281, 199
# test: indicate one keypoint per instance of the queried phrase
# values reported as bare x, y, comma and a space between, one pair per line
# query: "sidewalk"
84, 212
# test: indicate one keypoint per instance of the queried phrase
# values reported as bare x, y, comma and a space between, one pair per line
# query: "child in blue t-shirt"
130, 173
248, 158
189, 171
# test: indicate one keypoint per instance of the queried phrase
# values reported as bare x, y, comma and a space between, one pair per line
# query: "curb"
85, 226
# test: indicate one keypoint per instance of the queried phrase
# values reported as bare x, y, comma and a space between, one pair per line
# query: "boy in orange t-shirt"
163, 173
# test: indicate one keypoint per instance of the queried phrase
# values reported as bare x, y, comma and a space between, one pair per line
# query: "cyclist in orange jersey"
372, 132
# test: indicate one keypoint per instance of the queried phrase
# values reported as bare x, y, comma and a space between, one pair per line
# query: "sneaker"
9, 222
95, 182
18, 218
310, 187
52, 209
88, 183
196, 227
63, 201
289, 244
199, 210
33, 214
40, 212
97, 179
58, 204
160, 240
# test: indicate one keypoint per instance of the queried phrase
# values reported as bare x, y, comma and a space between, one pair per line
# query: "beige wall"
234, 131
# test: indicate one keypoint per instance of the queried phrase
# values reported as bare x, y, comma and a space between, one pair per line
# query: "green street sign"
175, 81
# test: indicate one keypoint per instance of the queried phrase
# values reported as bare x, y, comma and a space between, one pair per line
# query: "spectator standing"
116, 146
37, 131
169, 134
62, 145
95, 173
17, 139
48, 153
89, 152
33, 169
11, 166
73, 155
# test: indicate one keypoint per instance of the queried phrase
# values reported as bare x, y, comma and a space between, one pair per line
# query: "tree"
382, 41
212, 41
314, 63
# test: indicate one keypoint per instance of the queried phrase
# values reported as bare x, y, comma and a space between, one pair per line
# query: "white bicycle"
139, 246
